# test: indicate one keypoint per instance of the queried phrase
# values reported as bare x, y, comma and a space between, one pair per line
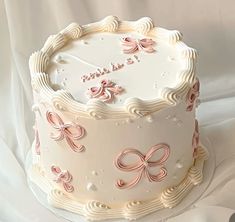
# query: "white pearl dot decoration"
170, 58
149, 119
59, 59
84, 42
128, 120
63, 83
91, 187
35, 108
179, 165
94, 173
175, 119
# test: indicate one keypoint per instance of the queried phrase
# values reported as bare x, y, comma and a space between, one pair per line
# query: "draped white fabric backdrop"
207, 25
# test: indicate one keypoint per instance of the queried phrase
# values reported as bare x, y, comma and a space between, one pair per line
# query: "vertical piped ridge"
38, 62
73, 31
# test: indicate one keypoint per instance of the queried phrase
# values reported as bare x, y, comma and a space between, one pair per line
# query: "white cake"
116, 134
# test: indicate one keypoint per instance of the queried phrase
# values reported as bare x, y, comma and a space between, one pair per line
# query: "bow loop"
55, 120
154, 150
132, 166
192, 95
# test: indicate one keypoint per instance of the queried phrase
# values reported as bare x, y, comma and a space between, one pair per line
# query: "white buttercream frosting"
144, 25
74, 31
114, 87
96, 210
110, 23
179, 72
38, 62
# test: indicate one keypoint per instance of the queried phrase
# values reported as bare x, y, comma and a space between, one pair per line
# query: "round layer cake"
115, 130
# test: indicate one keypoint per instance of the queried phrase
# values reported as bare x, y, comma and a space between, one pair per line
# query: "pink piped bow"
195, 141
132, 45
69, 131
192, 95
63, 177
143, 165
105, 91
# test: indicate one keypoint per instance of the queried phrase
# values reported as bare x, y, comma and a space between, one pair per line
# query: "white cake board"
158, 216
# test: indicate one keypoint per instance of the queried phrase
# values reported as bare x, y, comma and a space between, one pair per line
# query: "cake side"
89, 150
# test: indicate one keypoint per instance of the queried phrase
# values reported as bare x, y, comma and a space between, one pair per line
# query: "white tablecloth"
207, 25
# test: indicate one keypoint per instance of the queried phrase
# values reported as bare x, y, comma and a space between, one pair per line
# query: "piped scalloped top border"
132, 107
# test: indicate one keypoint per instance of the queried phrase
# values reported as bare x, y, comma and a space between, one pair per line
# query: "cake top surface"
112, 67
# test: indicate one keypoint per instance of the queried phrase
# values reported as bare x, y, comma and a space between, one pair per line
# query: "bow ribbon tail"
58, 137
196, 86
68, 187
131, 49
95, 92
148, 49
107, 96
73, 146
65, 176
158, 177
116, 89
189, 108
121, 184
75, 132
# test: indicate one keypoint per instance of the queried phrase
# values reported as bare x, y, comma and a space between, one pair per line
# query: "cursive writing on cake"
112, 68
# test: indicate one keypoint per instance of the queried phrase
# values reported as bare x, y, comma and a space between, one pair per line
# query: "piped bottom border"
94, 210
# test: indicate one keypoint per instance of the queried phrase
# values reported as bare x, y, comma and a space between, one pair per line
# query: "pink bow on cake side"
133, 45
69, 131
63, 177
105, 91
192, 95
195, 141
142, 165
